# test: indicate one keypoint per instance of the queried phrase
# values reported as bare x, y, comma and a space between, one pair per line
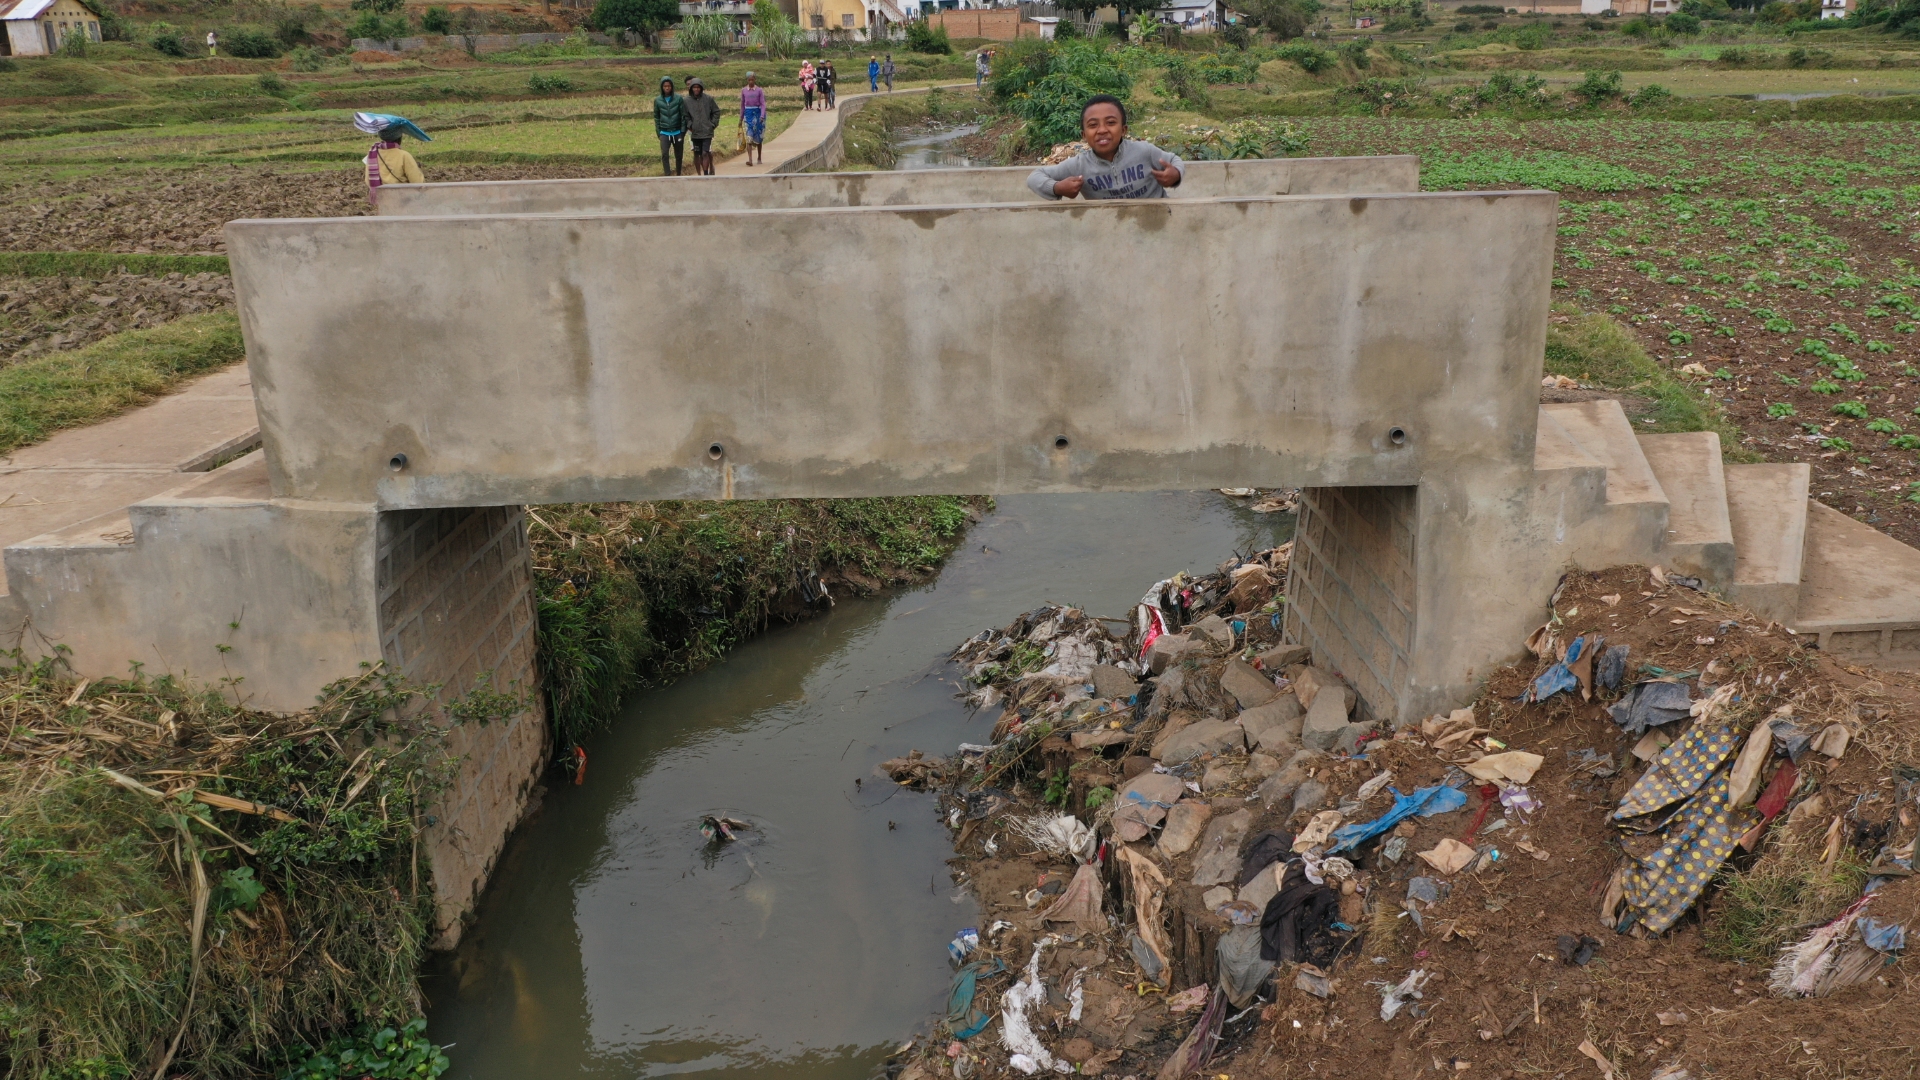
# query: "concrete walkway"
83, 473
810, 129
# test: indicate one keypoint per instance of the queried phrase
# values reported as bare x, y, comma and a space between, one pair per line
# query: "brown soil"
146, 210
1501, 1003
45, 314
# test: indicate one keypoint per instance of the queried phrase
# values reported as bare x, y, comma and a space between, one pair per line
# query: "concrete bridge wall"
936, 187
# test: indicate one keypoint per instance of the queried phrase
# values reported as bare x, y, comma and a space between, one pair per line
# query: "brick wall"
994, 25
1350, 589
456, 602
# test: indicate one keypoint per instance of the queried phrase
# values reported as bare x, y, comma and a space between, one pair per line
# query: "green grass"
1776, 902
99, 264
60, 390
638, 594
1599, 351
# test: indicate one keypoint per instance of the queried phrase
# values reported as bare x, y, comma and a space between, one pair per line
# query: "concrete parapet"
794, 189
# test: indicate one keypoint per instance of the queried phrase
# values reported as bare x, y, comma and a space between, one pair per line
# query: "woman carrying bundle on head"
386, 162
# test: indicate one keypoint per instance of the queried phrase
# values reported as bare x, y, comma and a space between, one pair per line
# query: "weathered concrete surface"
933, 187
1263, 341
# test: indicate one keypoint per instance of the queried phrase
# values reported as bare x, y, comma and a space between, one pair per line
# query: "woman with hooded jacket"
670, 123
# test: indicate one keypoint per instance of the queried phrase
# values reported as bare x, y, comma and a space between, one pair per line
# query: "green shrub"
1732, 57
1045, 83
1355, 53
1310, 58
306, 58
1682, 23
773, 31
703, 33
386, 1054
166, 40
1650, 95
932, 40
1597, 88
272, 84
378, 27
437, 20
248, 44
550, 84
644, 17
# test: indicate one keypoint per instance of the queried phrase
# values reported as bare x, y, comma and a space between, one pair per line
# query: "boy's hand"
1070, 187
1166, 174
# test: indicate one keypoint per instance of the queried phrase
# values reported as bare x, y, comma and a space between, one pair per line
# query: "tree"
1284, 19
644, 17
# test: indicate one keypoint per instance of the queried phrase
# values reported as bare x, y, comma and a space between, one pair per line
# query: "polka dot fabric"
1696, 838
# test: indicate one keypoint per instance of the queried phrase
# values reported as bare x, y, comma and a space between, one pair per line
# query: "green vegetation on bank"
99, 264
1598, 351
185, 880
42, 395
635, 594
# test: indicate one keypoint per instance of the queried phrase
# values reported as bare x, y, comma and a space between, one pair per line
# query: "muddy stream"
614, 943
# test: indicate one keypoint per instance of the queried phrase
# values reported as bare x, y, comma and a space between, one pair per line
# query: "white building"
1833, 9
40, 27
1194, 14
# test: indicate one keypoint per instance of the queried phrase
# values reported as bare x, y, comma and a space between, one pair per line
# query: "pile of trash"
1195, 850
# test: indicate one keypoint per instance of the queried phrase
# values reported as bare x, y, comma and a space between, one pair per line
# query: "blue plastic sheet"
1888, 937
1425, 802
1557, 678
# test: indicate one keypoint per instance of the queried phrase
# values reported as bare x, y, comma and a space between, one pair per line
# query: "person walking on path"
703, 119
982, 67
213, 44
886, 72
806, 84
873, 74
825, 77
1113, 166
386, 162
753, 116
670, 124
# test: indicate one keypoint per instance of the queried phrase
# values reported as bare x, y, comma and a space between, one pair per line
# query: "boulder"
1219, 777
1275, 725
1264, 887
1169, 691
1248, 687
1214, 897
1218, 861
1142, 803
1168, 650
1310, 795
1260, 766
1083, 740
1184, 823
1214, 630
1280, 787
1349, 739
1200, 737
1176, 722
1284, 656
1325, 719
1308, 684
1111, 682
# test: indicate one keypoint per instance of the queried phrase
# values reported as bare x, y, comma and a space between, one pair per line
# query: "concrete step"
1859, 591
1699, 533
1600, 429
1767, 507
1619, 515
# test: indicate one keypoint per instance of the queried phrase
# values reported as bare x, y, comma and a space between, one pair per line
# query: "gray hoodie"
1127, 176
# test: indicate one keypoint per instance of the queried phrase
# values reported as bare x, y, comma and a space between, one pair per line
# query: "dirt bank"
1516, 971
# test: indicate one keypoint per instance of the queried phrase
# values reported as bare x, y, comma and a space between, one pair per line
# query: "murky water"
614, 944
935, 151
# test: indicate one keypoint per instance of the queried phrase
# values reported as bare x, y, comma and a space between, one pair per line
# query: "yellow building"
840, 20
40, 27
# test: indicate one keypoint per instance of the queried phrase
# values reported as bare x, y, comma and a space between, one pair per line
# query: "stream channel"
613, 943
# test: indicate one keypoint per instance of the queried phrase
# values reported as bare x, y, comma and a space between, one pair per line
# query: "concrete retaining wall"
935, 187
456, 608
1351, 591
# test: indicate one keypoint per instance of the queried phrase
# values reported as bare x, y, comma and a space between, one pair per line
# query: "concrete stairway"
1747, 530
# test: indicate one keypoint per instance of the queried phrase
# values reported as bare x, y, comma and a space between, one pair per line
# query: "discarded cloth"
1832, 957
1660, 887
1651, 704
1149, 894
1679, 771
1395, 997
1079, 904
1424, 802
1299, 922
966, 1017
1267, 848
1243, 971
1196, 1049
1016, 1030
1791, 739
1611, 669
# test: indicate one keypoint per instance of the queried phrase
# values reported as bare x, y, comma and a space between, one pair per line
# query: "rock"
1248, 687
1168, 650
1280, 787
1142, 803
1179, 721
1077, 1050
1326, 718
1201, 737
1310, 795
1135, 764
1350, 736
1214, 897
1284, 656
1111, 682
1169, 692
1260, 766
1264, 887
1311, 681
1219, 778
1184, 823
1214, 630
1275, 725
1083, 740
1219, 857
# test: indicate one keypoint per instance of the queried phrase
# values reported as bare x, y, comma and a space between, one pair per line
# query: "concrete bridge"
421, 376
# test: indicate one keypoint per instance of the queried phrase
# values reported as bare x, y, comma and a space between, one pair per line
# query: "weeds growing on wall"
633, 594
183, 879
